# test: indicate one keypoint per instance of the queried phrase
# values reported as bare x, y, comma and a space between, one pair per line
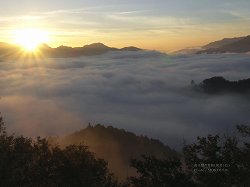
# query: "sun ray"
30, 39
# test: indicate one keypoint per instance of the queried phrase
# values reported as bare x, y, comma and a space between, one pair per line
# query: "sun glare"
30, 39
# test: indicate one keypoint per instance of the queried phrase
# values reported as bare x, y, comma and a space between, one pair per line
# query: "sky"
163, 25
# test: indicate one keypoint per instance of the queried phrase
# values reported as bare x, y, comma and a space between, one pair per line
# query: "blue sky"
159, 24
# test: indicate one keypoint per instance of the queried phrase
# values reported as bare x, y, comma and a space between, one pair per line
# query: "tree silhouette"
217, 85
27, 162
154, 172
217, 161
211, 161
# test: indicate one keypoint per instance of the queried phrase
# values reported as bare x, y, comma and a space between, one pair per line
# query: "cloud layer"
145, 92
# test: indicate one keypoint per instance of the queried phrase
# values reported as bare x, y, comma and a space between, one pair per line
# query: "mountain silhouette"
116, 146
130, 48
187, 51
15, 51
220, 43
233, 45
9, 50
226, 45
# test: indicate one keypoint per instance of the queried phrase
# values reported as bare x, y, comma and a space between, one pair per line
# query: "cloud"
30, 116
146, 92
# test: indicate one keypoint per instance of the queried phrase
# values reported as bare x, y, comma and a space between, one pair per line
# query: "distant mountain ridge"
220, 43
116, 146
228, 45
14, 51
188, 50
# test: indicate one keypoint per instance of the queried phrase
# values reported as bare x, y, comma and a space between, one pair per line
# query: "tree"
29, 163
153, 172
216, 161
211, 161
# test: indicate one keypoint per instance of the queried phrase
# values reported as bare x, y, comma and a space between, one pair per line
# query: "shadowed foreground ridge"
211, 161
116, 146
27, 162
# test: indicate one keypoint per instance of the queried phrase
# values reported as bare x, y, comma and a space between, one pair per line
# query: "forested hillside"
116, 146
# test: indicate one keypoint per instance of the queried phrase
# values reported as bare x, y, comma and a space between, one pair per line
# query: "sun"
30, 39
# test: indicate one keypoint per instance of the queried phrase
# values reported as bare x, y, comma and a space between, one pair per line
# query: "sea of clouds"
145, 92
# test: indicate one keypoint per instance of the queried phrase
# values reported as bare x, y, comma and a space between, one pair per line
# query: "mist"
145, 92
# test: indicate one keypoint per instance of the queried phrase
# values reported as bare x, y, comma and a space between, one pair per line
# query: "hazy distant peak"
44, 46
130, 48
96, 45
228, 45
64, 51
63, 47
6, 45
187, 51
224, 41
